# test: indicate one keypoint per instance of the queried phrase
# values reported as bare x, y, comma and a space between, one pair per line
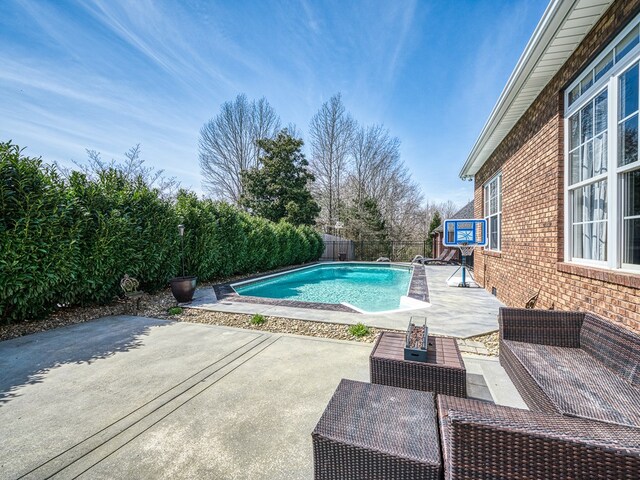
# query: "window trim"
613, 71
613, 176
571, 188
497, 176
635, 166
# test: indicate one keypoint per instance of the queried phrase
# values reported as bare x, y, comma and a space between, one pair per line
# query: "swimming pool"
370, 288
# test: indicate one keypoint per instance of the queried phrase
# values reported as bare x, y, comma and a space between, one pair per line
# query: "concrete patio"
134, 397
456, 312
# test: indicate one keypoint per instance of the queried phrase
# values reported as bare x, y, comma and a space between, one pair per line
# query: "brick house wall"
438, 247
531, 158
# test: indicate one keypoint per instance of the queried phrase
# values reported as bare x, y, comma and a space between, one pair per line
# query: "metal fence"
369, 250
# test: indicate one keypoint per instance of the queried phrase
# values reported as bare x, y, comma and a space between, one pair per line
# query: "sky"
107, 75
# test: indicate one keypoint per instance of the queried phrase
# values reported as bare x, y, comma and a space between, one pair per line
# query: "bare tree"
331, 133
375, 161
293, 130
429, 209
376, 158
228, 144
447, 209
361, 177
402, 206
133, 167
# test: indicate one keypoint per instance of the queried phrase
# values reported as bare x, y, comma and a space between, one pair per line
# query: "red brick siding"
437, 244
531, 159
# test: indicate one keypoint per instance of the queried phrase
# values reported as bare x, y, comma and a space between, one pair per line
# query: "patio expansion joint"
86, 454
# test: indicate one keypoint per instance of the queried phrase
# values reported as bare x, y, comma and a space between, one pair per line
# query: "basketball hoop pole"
465, 234
463, 262
464, 269
465, 251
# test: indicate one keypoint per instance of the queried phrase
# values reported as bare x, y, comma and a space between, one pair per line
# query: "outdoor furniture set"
445, 258
578, 374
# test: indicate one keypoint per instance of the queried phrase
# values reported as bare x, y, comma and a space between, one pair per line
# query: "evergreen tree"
370, 222
436, 221
278, 188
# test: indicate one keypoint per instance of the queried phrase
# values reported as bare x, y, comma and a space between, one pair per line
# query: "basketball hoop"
466, 250
465, 234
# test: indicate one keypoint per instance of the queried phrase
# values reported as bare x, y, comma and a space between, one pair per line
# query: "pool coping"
418, 289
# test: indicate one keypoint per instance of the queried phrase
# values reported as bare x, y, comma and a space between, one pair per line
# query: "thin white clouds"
44, 84
311, 17
407, 16
153, 33
494, 58
107, 74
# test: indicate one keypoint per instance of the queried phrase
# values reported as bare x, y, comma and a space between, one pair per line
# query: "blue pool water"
372, 288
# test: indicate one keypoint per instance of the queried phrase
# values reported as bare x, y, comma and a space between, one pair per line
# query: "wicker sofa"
580, 376
572, 363
483, 441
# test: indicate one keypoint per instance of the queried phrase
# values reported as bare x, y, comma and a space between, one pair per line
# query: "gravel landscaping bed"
275, 325
490, 341
157, 306
151, 306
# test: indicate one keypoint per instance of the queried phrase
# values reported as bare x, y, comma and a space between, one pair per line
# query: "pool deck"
142, 398
456, 312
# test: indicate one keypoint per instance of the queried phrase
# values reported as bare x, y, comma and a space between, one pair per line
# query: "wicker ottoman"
443, 372
377, 432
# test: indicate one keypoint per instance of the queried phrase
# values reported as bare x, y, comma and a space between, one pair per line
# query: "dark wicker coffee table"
377, 432
443, 372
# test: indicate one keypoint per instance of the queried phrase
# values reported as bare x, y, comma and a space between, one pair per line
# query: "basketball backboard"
465, 233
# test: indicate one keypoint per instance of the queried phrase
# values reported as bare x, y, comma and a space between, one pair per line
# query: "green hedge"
221, 240
69, 241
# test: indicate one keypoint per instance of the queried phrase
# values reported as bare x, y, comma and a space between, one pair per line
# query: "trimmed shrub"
204, 255
39, 231
221, 240
70, 241
126, 228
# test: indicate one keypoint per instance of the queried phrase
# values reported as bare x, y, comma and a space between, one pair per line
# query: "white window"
493, 211
629, 166
602, 181
588, 179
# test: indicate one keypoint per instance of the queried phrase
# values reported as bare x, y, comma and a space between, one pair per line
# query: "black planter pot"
183, 288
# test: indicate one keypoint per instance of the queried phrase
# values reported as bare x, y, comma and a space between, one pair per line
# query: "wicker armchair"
481, 440
573, 363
